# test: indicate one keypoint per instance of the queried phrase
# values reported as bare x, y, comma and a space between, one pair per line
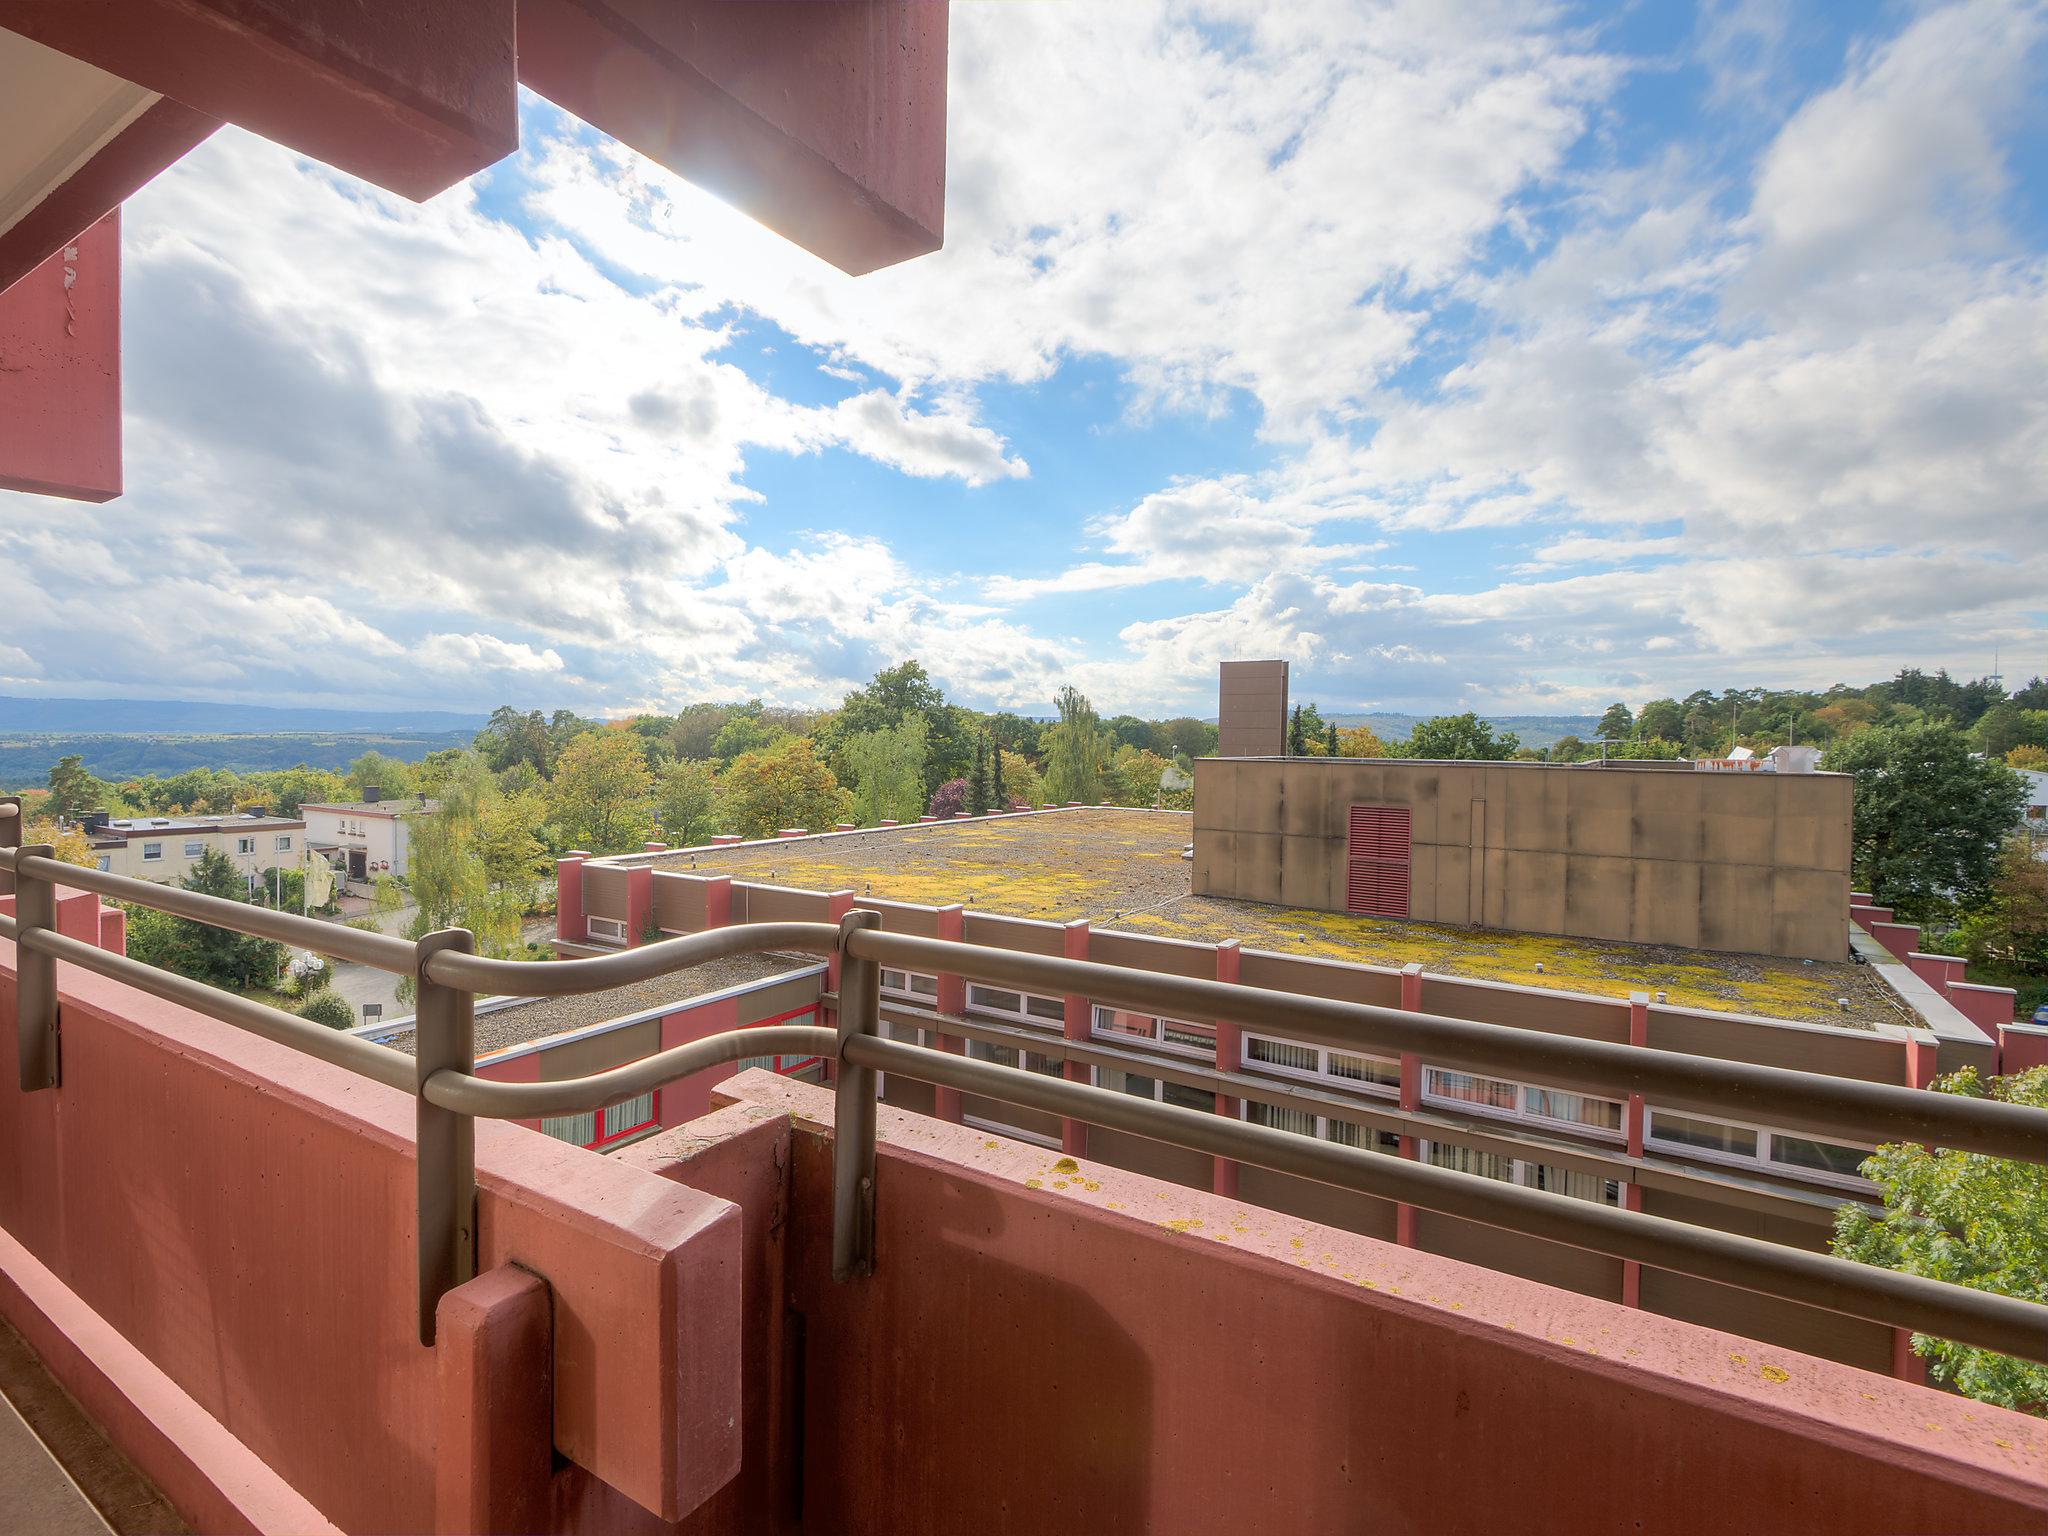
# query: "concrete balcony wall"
235, 1222
1061, 1345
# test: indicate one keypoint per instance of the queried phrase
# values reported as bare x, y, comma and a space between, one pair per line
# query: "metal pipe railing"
1806, 1101
449, 1096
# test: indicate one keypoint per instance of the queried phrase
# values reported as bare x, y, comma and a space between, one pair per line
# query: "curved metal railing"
449, 1096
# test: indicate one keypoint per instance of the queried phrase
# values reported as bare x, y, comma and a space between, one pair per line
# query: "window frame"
1157, 1039
1521, 1114
1023, 1014
907, 990
284, 843
600, 1139
1320, 1074
1371, 1138
244, 845
1519, 1171
1159, 1087
195, 847
616, 937
152, 853
1765, 1160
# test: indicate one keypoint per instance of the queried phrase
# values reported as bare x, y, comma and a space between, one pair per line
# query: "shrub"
328, 1007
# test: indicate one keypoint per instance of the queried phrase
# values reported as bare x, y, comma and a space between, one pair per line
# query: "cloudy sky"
1489, 355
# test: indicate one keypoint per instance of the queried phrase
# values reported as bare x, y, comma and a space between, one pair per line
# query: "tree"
979, 790
1460, 738
1020, 780
745, 731
2009, 928
1073, 750
1359, 741
508, 835
1617, 722
696, 728
66, 843
1015, 734
2032, 758
1190, 737
387, 775
204, 953
2006, 726
948, 800
287, 789
1928, 816
887, 766
1568, 749
1297, 735
897, 694
1137, 776
327, 1007
998, 794
687, 802
1970, 1220
1330, 739
512, 738
74, 792
787, 785
1661, 720
599, 797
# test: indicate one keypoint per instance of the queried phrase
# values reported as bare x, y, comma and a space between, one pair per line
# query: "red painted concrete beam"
826, 121
60, 372
413, 97
130, 161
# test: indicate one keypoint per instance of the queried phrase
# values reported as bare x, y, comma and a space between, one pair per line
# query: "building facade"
165, 848
1747, 862
364, 839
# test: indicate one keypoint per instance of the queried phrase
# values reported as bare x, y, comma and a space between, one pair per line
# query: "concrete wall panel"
1599, 896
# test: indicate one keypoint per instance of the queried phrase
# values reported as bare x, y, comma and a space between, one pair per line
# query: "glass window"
1173, 1034
284, 843
1488, 1165
105, 862
1187, 1098
1299, 1121
1820, 1156
629, 1116
1575, 1108
1365, 1069
1029, 1007
1712, 1135
910, 984
245, 845
1120, 1081
1281, 1053
194, 848
580, 1129
152, 850
1466, 1088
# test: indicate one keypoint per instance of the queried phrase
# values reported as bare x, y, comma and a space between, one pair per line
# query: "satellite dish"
1173, 780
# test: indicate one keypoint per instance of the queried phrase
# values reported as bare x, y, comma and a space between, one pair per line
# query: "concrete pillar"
1906, 1365
885, 822
639, 903
845, 826
493, 1362
653, 847
1411, 1097
927, 818
1075, 1026
717, 901
570, 926
726, 839
1899, 938
1634, 1117
114, 930
952, 998
1229, 1058
794, 832
60, 394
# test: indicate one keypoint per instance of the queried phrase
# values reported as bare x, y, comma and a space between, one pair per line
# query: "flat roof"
162, 826
1123, 869
406, 804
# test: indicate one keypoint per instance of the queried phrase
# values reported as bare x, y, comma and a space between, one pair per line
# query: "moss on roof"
1123, 869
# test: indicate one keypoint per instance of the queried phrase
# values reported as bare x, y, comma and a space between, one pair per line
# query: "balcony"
220, 1245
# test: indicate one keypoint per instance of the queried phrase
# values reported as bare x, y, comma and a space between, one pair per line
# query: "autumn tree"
686, 799
1358, 741
786, 785
599, 799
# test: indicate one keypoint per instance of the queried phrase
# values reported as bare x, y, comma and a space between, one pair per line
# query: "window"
1025, 1006
607, 930
1347, 1069
1153, 1088
913, 984
600, 1128
194, 848
1521, 1101
1346, 1133
805, 1069
245, 845
1718, 1141
1513, 1170
1168, 1034
152, 851
1009, 1056
105, 863
284, 843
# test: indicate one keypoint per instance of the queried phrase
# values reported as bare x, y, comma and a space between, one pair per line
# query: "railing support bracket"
853, 1118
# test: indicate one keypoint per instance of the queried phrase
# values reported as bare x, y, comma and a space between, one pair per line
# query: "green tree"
1928, 818
1073, 751
999, 794
745, 731
887, 765
1460, 738
387, 775
1137, 776
2006, 726
1660, 720
2008, 929
896, 694
787, 785
980, 791
599, 799
1617, 722
1297, 735
205, 953
73, 791
1970, 1220
512, 737
287, 789
695, 729
1020, 780
1568, 749
1015, 734
686, 800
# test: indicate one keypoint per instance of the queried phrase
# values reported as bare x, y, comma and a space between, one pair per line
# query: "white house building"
365, 838
164, 848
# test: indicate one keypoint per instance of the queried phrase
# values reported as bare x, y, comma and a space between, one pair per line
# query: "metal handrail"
1796, 1100
449, 1096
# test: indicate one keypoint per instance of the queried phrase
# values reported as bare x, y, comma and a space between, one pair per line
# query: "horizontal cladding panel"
779, 904
679, 901
1555, 1013
779, 997
1171, 957
1515, 1253
1028, 935
1325, 1204
604, 890
1320, 978
1853, 1053
599, 1052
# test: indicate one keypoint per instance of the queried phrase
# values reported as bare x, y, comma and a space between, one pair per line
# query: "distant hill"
1534, 730
27, 756
181, 717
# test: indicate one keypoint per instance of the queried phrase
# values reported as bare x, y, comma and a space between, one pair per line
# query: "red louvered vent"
1378, 858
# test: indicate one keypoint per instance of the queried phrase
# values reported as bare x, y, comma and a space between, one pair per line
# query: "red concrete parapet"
571, 926
1899, 938
494, 1362
1988, 1008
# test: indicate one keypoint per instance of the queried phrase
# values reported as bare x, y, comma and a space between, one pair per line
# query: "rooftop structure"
1124, 869
167, 848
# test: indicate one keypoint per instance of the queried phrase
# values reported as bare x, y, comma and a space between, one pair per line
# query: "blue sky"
1517, 357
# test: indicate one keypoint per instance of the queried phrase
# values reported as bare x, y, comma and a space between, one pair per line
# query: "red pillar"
952, 998
1411, 1097
1633, 1118
1229, 1058
60, 371
493, 1460
653, 847
717, 901
1074, 946
570, 926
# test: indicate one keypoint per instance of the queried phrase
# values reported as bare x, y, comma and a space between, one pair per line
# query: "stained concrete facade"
1756, 863
1251, 709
